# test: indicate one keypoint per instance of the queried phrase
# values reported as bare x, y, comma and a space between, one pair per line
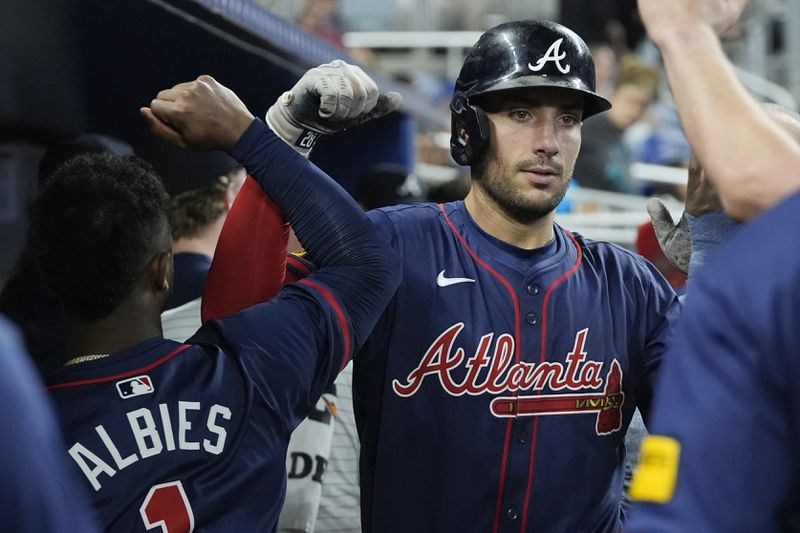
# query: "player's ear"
161, 272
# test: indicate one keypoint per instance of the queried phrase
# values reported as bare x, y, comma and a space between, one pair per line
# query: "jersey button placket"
512, 513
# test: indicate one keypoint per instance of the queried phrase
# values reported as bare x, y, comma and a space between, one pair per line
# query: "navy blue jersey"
193, 437
495, 392
727, 413
191, 271
197, 433
38, 491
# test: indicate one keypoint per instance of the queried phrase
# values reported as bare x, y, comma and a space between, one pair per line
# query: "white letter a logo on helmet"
553, 53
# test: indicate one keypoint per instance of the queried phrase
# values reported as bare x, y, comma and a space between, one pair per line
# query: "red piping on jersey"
298, 264
339, 315
517, 336
542, 357
123, 375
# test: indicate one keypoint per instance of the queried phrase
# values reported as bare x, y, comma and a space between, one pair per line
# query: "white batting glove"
328, 98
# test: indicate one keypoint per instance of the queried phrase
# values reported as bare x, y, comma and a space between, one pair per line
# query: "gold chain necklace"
85, 358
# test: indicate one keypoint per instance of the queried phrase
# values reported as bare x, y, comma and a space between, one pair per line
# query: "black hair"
94, 227
82, 143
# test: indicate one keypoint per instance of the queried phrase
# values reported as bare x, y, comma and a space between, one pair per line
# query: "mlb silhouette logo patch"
128, 388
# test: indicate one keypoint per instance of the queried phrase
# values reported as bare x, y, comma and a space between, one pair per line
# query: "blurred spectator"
25, 298
661, 141
604, 159
606, 68
321, 18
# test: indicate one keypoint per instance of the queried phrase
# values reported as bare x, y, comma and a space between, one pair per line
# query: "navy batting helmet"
527, 53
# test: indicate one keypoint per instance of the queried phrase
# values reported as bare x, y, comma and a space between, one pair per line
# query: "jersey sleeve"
377, 344
291, 347
659, 310
249, 264
728, 446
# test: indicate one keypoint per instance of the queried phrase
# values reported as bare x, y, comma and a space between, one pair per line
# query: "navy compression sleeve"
328, 223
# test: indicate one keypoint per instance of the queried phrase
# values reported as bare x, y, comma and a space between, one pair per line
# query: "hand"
200, 114
701, 196
329, 98
660, 17
675, 239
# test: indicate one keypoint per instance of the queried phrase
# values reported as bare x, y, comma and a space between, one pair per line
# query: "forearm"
752, 163
332, 228
322, 214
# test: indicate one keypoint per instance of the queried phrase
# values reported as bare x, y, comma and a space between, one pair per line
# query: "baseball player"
724, 453
707, 90
193, 436
495, 392
322, 460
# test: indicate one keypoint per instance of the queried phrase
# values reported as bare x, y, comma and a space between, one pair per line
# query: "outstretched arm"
360, 269
250, 260
752, 162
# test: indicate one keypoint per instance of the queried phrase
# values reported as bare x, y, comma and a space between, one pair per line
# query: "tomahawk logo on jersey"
506, 387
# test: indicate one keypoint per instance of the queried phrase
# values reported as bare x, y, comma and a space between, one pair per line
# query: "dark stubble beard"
495, 178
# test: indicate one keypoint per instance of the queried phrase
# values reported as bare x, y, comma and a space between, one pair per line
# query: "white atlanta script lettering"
502, 376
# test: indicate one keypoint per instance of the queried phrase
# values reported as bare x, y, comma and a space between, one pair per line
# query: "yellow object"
655, 477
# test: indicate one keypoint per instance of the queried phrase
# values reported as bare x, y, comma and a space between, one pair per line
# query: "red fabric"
648, 247
249, 263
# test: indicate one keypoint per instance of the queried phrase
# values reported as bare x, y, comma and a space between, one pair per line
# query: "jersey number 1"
166, 505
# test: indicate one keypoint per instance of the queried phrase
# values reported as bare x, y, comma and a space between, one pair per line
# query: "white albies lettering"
144, 431
153, 434
90, 464
211, 424
553, 54
112, 449
169, 439
184, 425
502, 375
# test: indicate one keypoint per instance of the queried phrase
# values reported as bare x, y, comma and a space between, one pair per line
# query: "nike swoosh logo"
442, 281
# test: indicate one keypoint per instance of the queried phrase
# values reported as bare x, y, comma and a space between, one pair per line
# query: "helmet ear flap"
469, 134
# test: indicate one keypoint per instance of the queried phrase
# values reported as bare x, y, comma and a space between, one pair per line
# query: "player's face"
535, 139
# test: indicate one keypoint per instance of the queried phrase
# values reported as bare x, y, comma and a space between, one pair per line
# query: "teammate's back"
195, 435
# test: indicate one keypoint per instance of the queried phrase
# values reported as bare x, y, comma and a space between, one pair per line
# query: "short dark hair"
93, 227
68, 147
192, 211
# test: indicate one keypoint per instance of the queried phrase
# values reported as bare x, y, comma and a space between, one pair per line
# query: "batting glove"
675, 239
328, 98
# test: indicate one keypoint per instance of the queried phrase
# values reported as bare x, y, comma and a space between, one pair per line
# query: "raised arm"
250, 260
363, 271
753, 163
